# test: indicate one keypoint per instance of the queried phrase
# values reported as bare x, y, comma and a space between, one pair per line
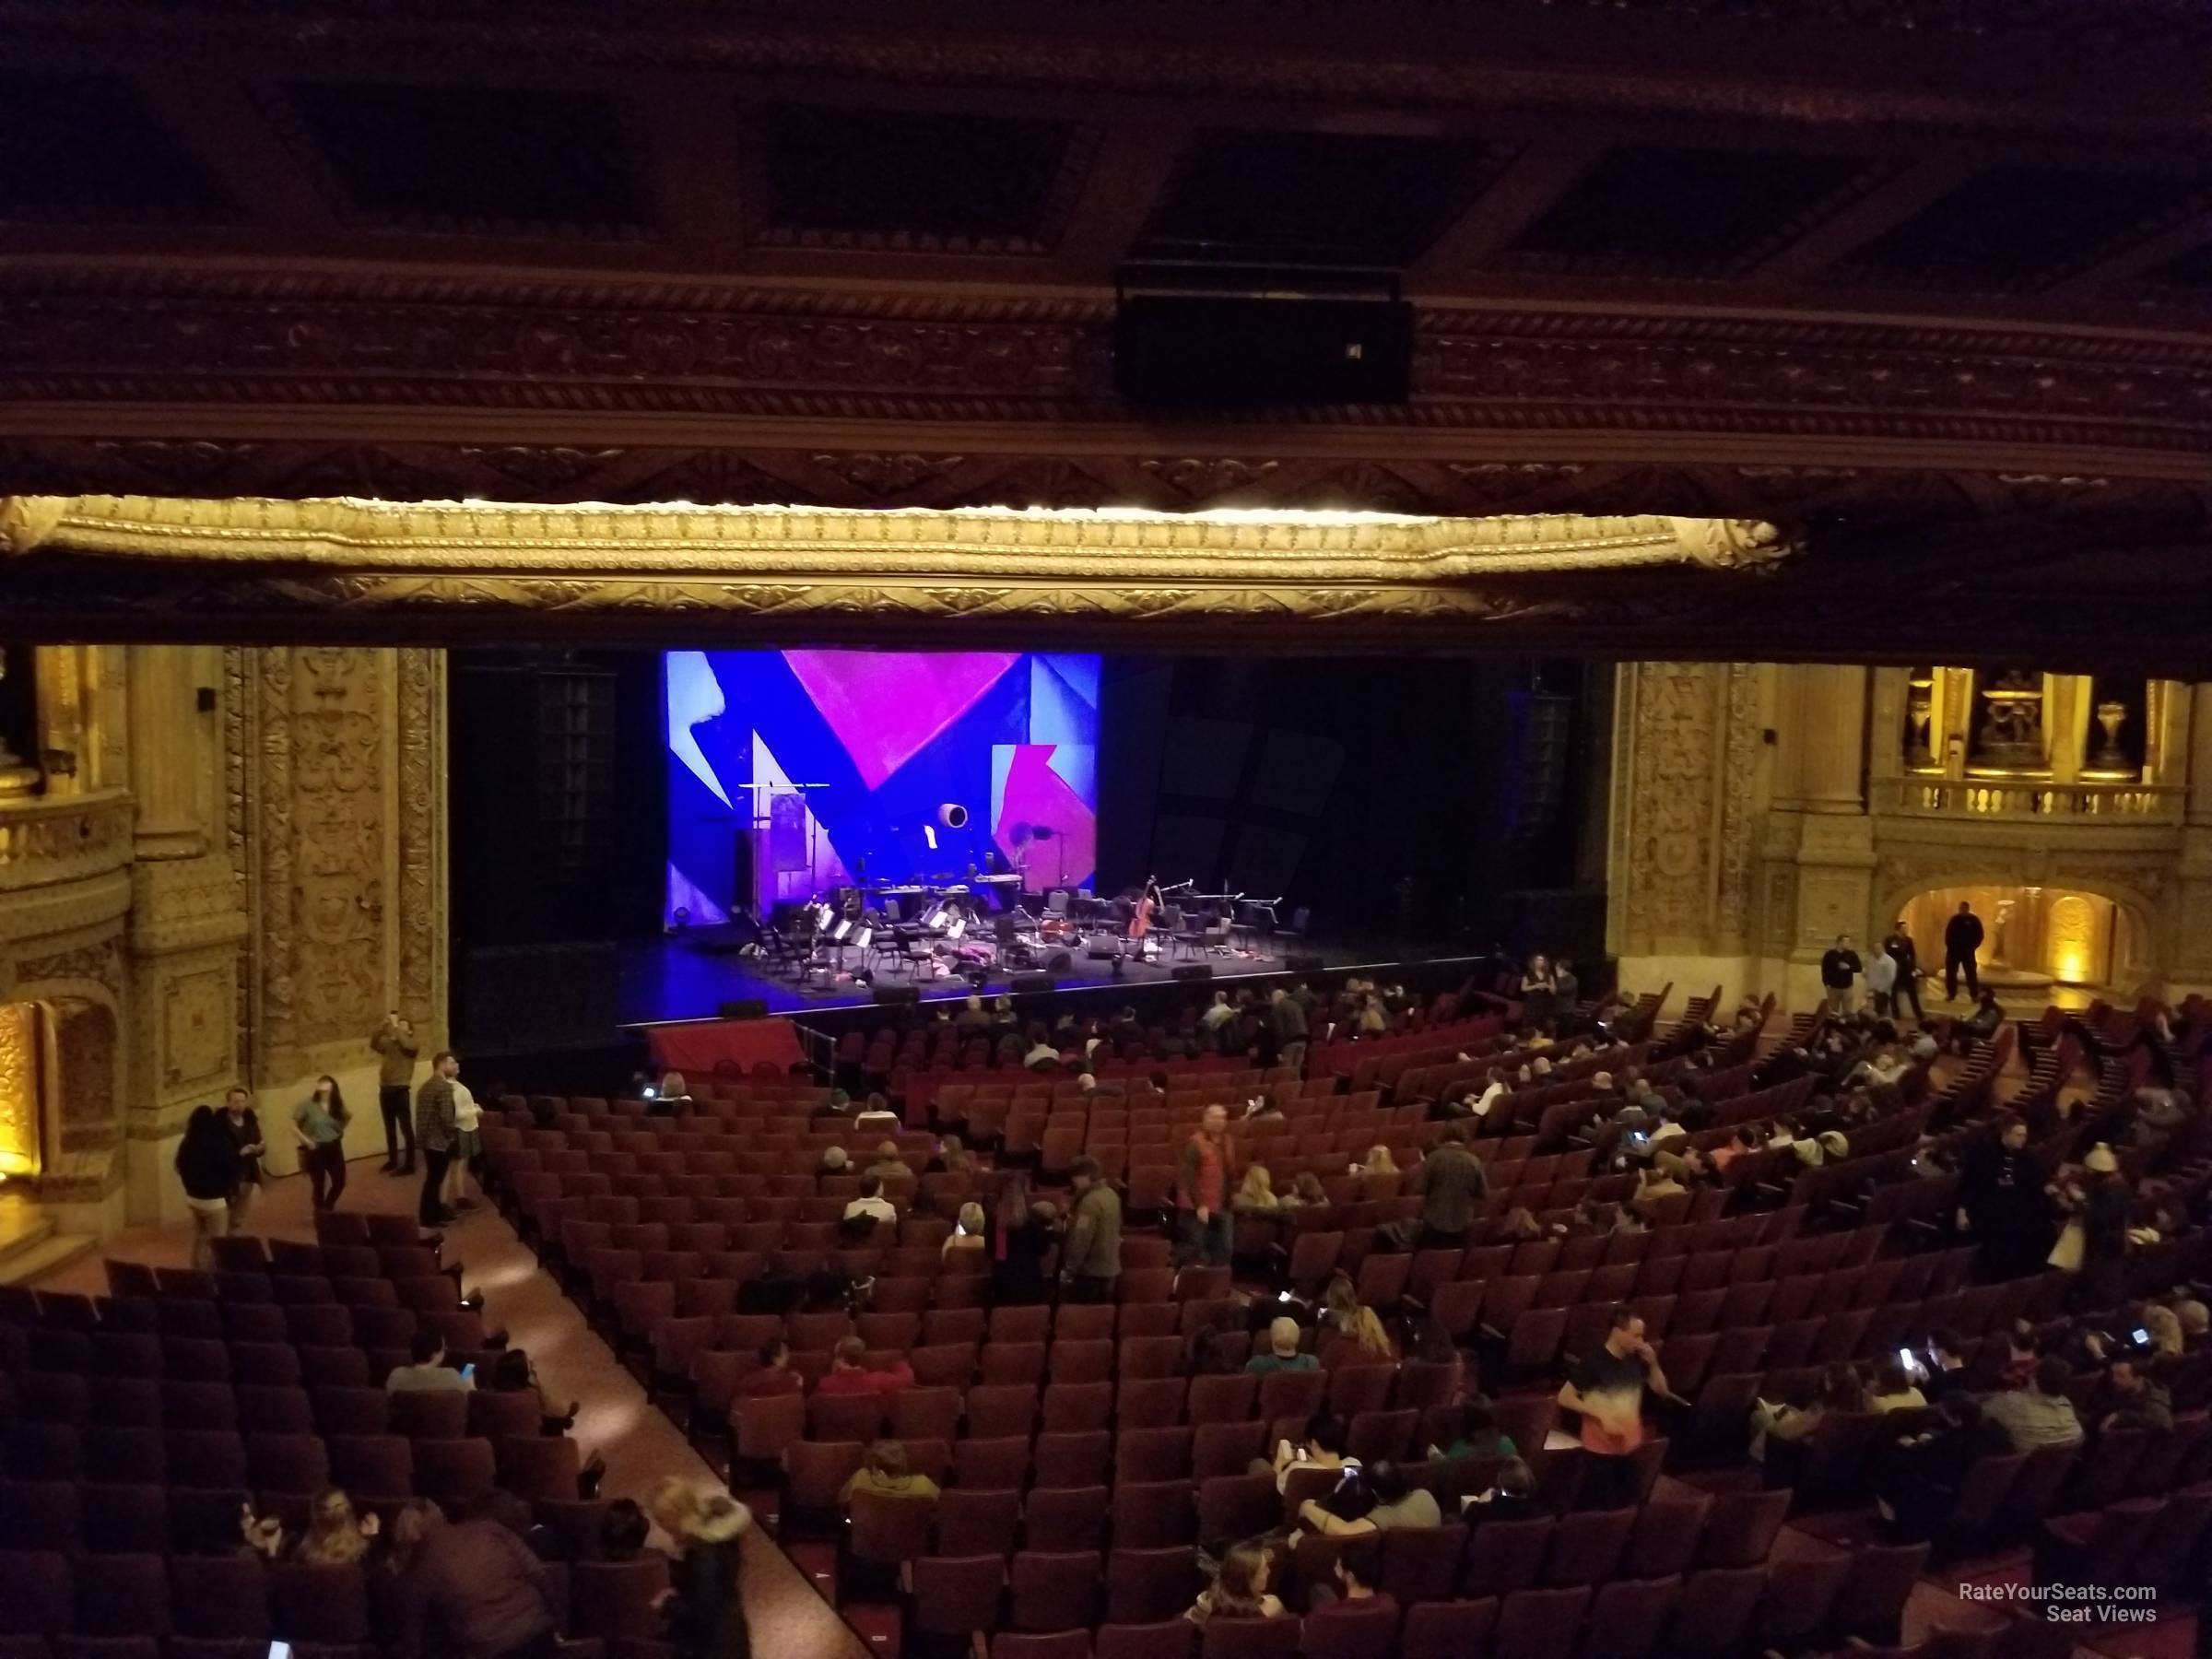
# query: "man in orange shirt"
850, 1372
1202, 1181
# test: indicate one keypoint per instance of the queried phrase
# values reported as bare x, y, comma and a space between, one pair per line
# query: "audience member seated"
512, 1373
1238, 1590
872, 1205
1398, 1502
1255, 1192
774, 1375
1789, 1422
1917, 1476
475, 1584
1283, 1338
850, 1372
2040, 1414
1364, 1340
886, 1475
834, 1161
335, 1536
2130, 1397
426, 1372
1322, 1448
1894, 1390
1354, 1586
1378, 1161
953, 1158
1346, 1511
968, 1231
1478, 1435
623, 1531
889, 1165
1511, 1496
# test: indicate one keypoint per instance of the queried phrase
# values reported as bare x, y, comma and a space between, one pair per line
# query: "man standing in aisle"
437, 1131
1961, 940
1092, 1260
395, 1044
1202, 1183
1900, 949
1839, 972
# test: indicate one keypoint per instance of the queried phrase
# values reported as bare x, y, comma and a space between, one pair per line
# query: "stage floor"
660, 979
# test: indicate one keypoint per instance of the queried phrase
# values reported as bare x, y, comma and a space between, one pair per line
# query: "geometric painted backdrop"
885, 739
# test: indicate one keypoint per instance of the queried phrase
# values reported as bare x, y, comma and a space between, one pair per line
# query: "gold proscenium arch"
147, 566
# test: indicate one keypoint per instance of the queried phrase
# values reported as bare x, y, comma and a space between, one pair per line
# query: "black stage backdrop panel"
557, 784
1402, 800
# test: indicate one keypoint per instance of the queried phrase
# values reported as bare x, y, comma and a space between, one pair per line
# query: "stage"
672, 978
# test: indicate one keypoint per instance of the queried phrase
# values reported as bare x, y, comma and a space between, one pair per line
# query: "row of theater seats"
136, 1428
234, 1607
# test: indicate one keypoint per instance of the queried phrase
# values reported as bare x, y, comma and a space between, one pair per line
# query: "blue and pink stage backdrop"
793, 771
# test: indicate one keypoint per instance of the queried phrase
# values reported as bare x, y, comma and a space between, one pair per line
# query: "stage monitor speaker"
751, 1008
1101, 953
1215, 349
1191, 971
1060, 962
899, 996
1304, 961
1031, 984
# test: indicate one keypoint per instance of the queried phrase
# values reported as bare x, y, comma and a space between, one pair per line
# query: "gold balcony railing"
65, 838
2029, 798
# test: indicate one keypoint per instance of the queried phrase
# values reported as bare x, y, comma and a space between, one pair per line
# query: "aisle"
640, 1445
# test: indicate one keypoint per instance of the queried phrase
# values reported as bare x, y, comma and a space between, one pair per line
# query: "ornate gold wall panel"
1685, 809
21, 1088
345, 780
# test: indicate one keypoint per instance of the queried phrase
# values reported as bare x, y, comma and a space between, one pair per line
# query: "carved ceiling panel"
1375, 199
2013, 229
1676, 211
485, 160
889, 179
82, 150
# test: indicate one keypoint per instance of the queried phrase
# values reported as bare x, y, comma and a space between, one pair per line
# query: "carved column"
188, 912
171, 760
1821, 829
1690, 768
344, 803
2192, 931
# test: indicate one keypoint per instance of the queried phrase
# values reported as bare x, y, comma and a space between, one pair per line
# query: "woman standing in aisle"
207, 1165
319, 1122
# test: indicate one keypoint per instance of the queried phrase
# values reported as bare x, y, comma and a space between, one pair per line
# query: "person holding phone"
1607, 1390
394, 1044
426, 1372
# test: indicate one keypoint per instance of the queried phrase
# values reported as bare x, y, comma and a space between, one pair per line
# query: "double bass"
1147, 906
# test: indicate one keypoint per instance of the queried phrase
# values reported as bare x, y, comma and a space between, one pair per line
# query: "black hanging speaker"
1214, 336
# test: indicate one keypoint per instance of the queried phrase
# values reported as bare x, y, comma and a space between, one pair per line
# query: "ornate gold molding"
456, 541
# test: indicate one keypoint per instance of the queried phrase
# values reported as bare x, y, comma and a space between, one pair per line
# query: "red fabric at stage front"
725, 1046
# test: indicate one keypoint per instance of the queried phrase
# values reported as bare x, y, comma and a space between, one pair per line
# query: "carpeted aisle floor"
640, 1444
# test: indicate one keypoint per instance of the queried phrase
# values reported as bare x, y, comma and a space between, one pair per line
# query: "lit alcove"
2037, 938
